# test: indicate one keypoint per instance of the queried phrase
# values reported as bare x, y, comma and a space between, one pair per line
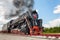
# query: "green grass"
51, 33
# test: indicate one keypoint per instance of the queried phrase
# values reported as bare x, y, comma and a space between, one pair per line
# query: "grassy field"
51, 33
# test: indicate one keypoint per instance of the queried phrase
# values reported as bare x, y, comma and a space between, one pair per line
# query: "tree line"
55, 29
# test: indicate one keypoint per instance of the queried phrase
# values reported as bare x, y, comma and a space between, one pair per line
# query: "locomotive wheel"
27, 30
24, 28
9, 30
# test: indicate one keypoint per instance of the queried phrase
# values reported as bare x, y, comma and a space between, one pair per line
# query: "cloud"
1, 27
3, 11
57, 9
5, 8
52, 23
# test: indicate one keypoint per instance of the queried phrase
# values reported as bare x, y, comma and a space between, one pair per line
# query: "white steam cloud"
8, 9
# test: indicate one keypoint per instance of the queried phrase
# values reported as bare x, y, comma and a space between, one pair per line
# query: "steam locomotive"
24, 23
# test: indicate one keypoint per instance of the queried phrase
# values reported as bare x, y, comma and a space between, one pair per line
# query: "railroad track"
23, 37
